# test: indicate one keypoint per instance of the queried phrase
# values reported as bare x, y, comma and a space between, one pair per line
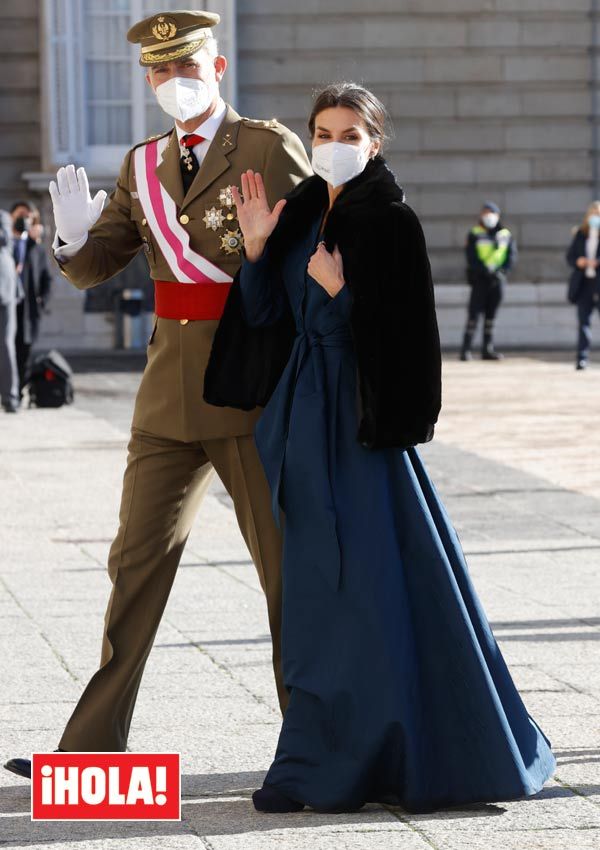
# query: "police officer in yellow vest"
491, 252
173, 200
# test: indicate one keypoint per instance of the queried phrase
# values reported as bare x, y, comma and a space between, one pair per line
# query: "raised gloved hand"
74, 209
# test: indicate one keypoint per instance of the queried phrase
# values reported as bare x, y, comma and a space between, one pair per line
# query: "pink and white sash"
160, 210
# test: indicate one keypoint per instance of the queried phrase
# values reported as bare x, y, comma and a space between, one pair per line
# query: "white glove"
74, 210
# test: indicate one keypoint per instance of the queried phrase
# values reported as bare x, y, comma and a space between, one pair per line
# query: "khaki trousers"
164, 483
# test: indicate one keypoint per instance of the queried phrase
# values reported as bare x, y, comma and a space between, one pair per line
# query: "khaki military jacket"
169, 401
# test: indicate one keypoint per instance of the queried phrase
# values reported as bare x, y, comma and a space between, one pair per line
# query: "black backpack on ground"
50, 382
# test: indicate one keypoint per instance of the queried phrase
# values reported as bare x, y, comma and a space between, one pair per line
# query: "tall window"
100, 103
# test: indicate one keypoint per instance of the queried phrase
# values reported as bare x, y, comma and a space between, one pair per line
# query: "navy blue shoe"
268, 799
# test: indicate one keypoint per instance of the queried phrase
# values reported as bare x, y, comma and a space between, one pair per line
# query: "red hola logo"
105, 786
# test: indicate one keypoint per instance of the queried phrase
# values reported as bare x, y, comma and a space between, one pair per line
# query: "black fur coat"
393, 317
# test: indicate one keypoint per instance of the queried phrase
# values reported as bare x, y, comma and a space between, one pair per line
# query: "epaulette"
270, 124
152, 139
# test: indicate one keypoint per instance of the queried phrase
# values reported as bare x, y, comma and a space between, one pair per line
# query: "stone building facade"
488, 99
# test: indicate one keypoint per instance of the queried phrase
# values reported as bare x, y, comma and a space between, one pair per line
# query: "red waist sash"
190, 300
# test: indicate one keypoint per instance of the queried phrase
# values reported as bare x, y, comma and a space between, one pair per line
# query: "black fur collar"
369, 192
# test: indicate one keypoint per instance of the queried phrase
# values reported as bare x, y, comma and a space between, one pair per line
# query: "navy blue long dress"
398, 691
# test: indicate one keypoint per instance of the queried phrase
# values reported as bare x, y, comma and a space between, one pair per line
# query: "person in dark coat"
491, 253
398, 691
35, 282
9, 377
583, 256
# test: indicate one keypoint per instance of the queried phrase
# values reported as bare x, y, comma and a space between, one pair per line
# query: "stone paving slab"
529, 522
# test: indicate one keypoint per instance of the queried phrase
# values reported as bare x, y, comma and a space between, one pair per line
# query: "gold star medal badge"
213, 219
232, 242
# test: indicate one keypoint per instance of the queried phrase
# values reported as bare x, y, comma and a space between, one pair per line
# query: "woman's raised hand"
257, 221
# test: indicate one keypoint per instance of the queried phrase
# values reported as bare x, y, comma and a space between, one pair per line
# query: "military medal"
232, 242
225, 197
216, 218
213, 218
186, 155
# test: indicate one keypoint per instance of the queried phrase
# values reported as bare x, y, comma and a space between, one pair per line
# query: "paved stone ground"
516, 461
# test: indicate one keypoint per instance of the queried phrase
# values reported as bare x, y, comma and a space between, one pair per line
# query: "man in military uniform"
491, 252
173, 199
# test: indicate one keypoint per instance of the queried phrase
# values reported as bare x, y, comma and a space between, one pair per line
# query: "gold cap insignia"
164, 28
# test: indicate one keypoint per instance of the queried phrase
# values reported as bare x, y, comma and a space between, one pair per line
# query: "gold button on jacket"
184, 219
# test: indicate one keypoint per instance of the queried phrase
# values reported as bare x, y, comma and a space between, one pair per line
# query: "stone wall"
21, 152
19, 96
488, 99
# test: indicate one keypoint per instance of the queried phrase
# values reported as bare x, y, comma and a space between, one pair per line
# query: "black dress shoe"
22, 767
10, 407
269, 799
490, 354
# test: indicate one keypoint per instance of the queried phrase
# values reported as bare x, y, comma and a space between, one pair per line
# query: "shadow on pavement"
209, 816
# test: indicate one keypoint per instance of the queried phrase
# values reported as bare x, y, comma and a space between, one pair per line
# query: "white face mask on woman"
338, 162
184, 98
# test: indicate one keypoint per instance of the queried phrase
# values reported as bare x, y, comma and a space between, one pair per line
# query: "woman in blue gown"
398, 690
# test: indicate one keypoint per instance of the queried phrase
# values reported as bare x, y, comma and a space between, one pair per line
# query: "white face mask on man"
490, 219
184, 98
339, 162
